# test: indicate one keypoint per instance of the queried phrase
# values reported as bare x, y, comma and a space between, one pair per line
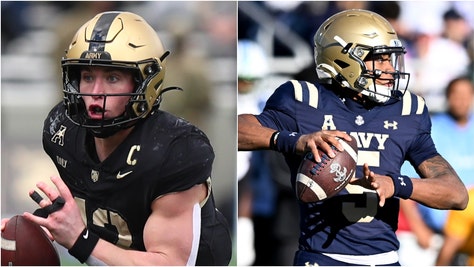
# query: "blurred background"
275, 44
202, 39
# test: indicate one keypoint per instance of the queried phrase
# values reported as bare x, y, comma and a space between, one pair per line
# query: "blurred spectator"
419, 245
423, 16
252, 66
470, 49
423, 228
458, 237
194, 103
14, 21
456, 27
453, 133
299, 16
268, 213
436, 59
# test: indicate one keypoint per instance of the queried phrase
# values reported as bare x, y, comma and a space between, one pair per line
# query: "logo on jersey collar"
393, 125
94, 176
359, 120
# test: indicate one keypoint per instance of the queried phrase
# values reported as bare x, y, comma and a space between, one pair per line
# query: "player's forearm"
110, 254
252, 135
441, 187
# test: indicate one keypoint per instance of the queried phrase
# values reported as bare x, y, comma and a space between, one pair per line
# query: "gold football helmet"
122, 40
347, 39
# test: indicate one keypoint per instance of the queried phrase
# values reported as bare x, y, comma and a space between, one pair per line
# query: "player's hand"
65, 224
382, 184
322, 140
4, 223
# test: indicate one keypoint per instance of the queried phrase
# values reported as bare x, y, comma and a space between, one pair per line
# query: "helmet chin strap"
103, 132
107, 131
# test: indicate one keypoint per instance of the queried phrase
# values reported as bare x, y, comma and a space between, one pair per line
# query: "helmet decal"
100, 32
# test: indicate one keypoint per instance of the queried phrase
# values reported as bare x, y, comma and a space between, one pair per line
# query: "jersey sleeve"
279, 111
422, 146
188, 162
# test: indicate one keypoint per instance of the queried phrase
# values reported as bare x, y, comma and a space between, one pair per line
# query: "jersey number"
360, 213
110, 221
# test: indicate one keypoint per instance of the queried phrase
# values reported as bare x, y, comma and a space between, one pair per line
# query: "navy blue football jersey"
162, 154
352, 223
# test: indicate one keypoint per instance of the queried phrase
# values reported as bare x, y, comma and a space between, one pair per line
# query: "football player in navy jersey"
135, 181
361, 93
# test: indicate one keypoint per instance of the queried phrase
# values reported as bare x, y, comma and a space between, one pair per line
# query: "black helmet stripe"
100, 31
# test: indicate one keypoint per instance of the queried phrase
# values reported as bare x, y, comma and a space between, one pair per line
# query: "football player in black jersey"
135, 181
361, 93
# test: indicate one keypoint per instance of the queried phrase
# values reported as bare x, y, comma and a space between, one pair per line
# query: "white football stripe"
312, 90
298, 90
313, 95
196, 235
311, 185
349, 149
421, 105
8, 244
406, 107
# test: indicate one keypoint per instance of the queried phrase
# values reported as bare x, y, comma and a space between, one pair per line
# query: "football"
319, 181
25, 243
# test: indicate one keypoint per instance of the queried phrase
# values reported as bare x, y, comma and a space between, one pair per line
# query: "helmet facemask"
137, 107
381, 85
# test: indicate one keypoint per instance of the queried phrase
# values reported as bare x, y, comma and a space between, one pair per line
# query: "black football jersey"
162, 154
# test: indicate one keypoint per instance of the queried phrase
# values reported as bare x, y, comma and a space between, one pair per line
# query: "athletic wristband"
286, 141
403, 186
84, 245
273, 139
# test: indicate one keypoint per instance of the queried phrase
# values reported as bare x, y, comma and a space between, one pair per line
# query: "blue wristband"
286, 141
403, 186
